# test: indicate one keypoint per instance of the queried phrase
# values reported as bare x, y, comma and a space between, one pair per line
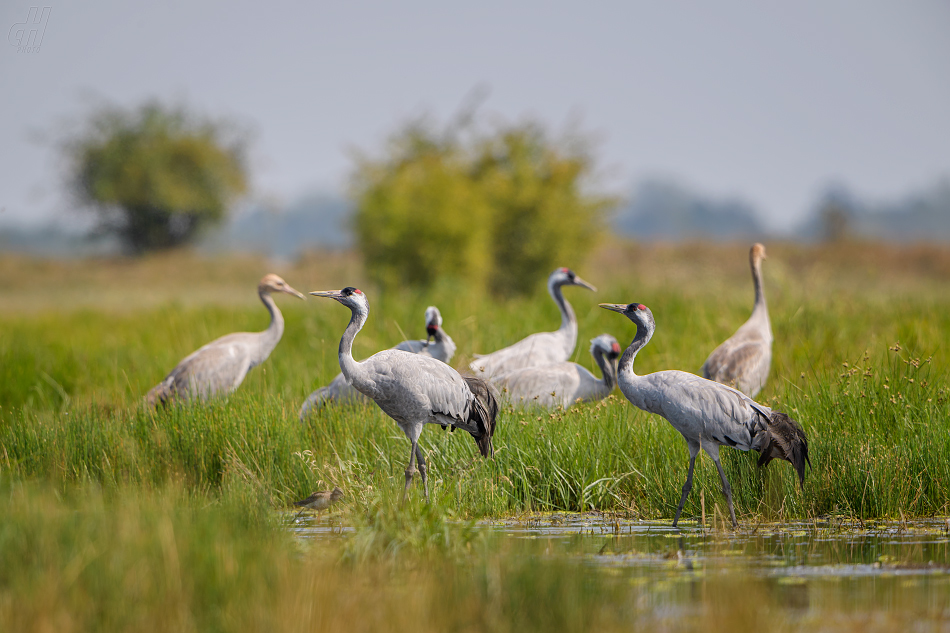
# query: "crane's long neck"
607, 369
760, 311
350, 367
568, 329
448, 345
759, 288
625, 368
271, 336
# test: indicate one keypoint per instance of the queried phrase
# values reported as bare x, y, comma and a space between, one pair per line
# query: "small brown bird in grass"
319, 500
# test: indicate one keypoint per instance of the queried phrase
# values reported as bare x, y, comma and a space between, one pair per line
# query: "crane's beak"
293, 292
583, 284
615, 307
332, 294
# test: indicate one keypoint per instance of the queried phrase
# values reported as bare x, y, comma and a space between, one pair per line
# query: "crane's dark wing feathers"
483, 413
786, 440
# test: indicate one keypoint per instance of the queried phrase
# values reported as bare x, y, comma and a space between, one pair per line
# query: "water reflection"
802, 567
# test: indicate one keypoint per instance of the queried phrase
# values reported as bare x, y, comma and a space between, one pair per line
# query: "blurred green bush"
497, 210
155, 175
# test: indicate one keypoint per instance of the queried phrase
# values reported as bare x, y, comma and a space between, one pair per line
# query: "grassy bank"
171, 559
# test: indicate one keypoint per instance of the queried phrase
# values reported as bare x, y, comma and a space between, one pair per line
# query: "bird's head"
606, 345
433, 321
757, 253
273, 283
351, 297
567, 277
636, 312
336, 494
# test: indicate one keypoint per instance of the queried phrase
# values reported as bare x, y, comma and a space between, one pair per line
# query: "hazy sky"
767, 101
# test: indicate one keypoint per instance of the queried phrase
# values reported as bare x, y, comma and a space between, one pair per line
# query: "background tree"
157, 175
415, 212
497, 209
541, 218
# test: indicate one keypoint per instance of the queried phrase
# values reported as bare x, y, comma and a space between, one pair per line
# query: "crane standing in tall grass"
742, 361
708, 414
437, 344
541, 348
219, 367
415, 390
563, 384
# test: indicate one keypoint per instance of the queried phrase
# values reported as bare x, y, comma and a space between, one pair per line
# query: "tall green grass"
878, 441
71, 384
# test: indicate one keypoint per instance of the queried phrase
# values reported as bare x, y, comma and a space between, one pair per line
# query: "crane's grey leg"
693, 452
423, 471
726, 488
413, 431
410, 469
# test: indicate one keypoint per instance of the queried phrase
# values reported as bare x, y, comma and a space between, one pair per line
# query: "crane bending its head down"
220, 366
414, 389
708, 414
433, 322
437, 343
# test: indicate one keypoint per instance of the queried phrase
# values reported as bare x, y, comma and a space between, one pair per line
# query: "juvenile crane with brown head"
743, 360
219, 367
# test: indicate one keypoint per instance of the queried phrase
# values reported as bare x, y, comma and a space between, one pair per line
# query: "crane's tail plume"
786, 440
483, 414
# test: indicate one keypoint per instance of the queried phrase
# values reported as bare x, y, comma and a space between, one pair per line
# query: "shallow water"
807, 569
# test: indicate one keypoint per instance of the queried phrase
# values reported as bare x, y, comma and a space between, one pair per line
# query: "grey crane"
414, 389
220, 366
708, 414
563, 384
743, 360
437, 344
542, 348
